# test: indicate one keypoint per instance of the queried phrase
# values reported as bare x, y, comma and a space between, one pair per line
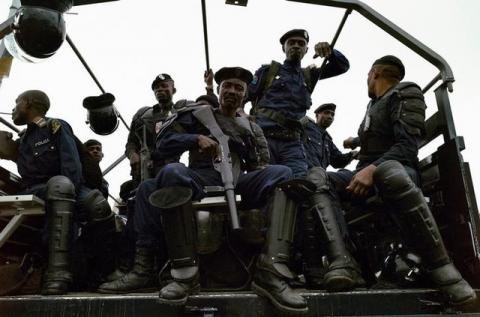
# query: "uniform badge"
55, 126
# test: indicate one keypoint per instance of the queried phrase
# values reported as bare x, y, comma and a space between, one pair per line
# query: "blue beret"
295, 32
160, 78
233, 72
325, 106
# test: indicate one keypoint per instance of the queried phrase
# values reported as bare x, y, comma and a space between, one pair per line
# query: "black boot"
60, 204
313, 267
99, 236
272, 274
178, 225
421, 230
343, 272
141, 278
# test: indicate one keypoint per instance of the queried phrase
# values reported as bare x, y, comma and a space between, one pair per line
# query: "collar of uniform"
162, 107
292, 64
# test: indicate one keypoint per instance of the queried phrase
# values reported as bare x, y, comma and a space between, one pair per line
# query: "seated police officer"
389, 136
321, 152
94, 148
50, 166
174, 188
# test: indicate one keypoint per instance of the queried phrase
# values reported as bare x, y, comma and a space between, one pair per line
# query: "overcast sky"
127, 43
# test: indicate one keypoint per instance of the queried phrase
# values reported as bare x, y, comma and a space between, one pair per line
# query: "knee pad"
96, 206
319, 177
60, 188
392, 180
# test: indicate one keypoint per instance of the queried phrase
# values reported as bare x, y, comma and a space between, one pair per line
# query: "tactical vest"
403, 103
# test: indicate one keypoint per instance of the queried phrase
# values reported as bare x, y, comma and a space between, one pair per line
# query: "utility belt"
282, 134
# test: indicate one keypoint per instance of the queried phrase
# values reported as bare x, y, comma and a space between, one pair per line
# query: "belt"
282, 134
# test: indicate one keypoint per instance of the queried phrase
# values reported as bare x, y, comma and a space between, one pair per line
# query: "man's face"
19, 113
96, 152
232, 93
295, 48
325, 118
164, 91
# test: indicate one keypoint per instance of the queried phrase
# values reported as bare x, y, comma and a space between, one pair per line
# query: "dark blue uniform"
47, 150
320, 149
289, 96
254, 186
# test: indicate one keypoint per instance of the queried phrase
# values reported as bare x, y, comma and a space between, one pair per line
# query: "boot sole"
260, 291
179, 302
339, 283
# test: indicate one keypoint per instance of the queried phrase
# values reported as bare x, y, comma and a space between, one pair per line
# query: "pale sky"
127, 43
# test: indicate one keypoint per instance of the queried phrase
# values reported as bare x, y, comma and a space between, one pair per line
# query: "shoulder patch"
55, 125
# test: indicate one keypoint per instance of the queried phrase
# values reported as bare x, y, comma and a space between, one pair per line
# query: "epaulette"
55, 125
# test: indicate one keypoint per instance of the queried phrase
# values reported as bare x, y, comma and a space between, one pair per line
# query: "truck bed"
407, 302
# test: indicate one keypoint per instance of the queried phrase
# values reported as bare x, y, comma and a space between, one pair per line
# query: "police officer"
389, 136
50, 166
319, 146
322, 152
281, 95
94, 148
146, 124
176, 186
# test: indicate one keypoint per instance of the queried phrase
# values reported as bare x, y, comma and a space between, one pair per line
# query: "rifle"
145, 159
223, 163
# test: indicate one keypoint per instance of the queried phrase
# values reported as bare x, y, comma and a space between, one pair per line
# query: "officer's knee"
172, 170
319, 177
60, 188
281, 172
391, 178
96, 206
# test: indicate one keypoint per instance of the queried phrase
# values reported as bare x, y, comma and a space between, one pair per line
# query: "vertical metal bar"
205, 33
443, 104
335, 38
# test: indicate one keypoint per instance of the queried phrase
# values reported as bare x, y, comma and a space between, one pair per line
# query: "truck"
446, 183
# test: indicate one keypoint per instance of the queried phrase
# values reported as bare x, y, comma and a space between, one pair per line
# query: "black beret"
295, 32
92, 142
233, 72
160, 78
392, 61
326, 106
96, 102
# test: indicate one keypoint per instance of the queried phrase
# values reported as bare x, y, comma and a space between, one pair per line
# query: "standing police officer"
389, 136
51, 168
145, 126
280, 95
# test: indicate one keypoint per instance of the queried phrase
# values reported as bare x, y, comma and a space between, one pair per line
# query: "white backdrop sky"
127, 43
